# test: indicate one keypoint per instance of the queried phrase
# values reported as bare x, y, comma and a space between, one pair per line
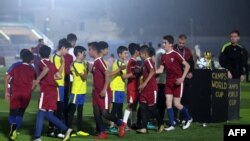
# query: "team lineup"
66, 72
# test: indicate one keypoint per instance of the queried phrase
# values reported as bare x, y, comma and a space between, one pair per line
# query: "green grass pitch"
213, 132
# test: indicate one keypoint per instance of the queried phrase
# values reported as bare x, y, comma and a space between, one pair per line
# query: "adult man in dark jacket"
232, 57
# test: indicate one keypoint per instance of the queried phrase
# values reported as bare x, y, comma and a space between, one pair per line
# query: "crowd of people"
157, 81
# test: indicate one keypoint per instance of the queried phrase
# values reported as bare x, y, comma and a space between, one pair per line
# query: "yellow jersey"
78, 85
117, 83
56, 59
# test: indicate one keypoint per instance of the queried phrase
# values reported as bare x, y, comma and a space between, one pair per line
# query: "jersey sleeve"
102, 66
129, 67
11, 73
162, 60
9, 69
149, 64
114, 66
42, 64
179, 58
57, 61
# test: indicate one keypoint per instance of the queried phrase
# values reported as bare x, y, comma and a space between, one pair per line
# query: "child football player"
148, 91
79, 89
102, 94
23, 82
172, 62
117, 85
132, 87
48, 97
62, 49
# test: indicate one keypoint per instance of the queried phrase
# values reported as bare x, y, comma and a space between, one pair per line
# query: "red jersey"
172, 62
48, 87
22, 79
152, 84
132, 83
68, 61
98, 71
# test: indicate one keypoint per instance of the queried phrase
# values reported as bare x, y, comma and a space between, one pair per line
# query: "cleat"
161, 128
102, 135
142, 131
81, 133
151, 126
13, 132
170, 128
122, 129
68, 135
187, 124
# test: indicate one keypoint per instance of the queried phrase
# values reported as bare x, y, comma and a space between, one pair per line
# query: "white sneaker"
60, 135
187, 124
170, 128
38, 139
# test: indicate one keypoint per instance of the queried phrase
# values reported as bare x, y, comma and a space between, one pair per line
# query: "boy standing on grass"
48, 97
79, 89
172, 62
7, 78
23, 82
63, 47
132, 87
148, 92
102, 94
117, 85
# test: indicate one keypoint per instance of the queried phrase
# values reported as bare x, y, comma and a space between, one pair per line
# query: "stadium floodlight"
37, 35
5, 35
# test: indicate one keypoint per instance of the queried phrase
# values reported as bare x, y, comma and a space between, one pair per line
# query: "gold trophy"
208, 60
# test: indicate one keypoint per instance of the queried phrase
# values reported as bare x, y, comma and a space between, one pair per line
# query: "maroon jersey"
147, 66
68, 61
172, 62
98, 71
184, 52
48, 97
22, 79
132, 83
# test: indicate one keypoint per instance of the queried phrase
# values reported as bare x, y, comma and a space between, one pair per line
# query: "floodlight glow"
37, 35
5, 36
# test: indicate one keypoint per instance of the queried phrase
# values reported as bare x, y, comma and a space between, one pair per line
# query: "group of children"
135, 80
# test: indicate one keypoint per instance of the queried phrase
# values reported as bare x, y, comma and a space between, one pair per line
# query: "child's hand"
189, 75
179, 81
103, 93
123, 67
142, 86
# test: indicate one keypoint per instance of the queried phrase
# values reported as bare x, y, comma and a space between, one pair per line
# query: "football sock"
126, 115
170, 112
185, 114
79, 116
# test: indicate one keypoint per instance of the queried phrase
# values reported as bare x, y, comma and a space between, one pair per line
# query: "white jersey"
71, 52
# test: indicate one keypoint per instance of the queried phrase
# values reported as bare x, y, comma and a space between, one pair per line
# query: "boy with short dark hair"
172, 62
117, 85
148, 91
7, 78
62, 49
47, 101
23, 82
78, 90
102, 93
132, 86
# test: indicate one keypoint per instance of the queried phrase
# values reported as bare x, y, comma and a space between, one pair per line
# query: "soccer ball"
202, 63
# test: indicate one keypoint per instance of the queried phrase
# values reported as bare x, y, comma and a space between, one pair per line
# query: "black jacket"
232, 58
